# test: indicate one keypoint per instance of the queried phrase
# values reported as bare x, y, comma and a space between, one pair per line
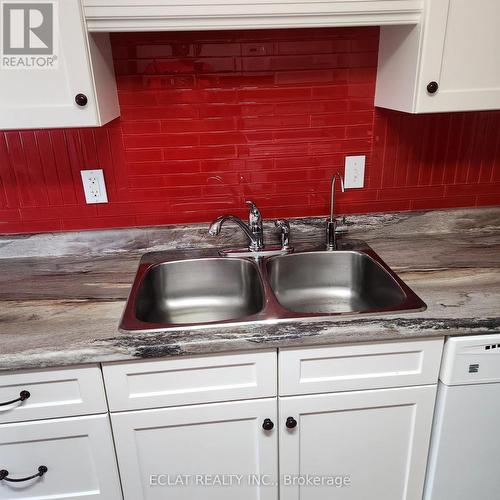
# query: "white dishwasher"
464, 459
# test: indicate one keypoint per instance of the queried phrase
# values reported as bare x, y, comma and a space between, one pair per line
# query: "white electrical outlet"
94, 186
354, 176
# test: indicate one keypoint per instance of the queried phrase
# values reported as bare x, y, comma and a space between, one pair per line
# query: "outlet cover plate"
94, 186
354, 172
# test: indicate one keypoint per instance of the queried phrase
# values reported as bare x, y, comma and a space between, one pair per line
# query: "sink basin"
199, 291
195, 289
333, 283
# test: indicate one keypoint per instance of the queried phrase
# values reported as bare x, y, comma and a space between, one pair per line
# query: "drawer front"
182, 381
77, 452
314, 370
53, 393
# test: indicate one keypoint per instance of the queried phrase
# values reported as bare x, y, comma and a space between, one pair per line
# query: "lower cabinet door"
77, 454
219, 451
364, 445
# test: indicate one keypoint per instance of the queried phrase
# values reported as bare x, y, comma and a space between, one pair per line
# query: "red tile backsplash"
211, 119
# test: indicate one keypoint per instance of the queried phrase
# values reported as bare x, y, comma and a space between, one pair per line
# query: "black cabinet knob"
268, 424
81, 99
432, 87
291, 422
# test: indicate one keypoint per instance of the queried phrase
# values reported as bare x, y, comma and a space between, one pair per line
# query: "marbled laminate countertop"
62, 295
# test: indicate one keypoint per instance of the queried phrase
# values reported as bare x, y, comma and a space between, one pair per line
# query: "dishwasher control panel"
471, 360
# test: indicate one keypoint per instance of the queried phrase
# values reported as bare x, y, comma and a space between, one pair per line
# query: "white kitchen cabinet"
196, 445
190, 380
37, 97
56, 392
154, 15
373, 433
217, 426
374, 443
77, 452
449, 62
377, 365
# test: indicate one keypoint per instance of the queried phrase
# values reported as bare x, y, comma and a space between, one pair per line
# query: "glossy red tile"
164, 167
412, 193
223, 138
312, 46
209, 119
8, 215
146, 141
273, 94
307, 77
143, 155
202, 152
223, 165
273, 122
133, 113
471, 189
196, 96
138, 98
48, 213
205, 125
333, 119
45, 226
490, 199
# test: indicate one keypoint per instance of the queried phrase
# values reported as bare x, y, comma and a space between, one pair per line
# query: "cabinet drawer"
77, 452
314, 370
182, 381
63, 392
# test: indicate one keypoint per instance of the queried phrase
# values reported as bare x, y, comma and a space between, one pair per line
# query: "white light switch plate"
94, 186
354, 176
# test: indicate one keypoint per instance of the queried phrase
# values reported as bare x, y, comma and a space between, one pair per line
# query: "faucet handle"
254, 216
341, 226
284, 225
252, 205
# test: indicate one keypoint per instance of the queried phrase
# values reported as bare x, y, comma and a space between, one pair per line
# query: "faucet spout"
335, 176
331, 223
254, 239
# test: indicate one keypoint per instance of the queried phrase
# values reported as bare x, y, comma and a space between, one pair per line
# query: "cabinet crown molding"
153, 15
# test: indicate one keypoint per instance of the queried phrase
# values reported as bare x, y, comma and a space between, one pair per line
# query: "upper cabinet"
56, 65
449, 62
52, 74
137, 15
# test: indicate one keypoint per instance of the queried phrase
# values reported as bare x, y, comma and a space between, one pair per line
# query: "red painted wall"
210, 119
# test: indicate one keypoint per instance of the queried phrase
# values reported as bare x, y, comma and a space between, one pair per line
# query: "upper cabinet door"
362, 445
463, 59
51, 74
449, 62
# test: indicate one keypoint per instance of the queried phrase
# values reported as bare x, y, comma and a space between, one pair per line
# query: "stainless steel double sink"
175, 290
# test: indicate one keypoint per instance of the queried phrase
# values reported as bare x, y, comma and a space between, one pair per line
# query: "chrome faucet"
253, 230
284, 225
331, 223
